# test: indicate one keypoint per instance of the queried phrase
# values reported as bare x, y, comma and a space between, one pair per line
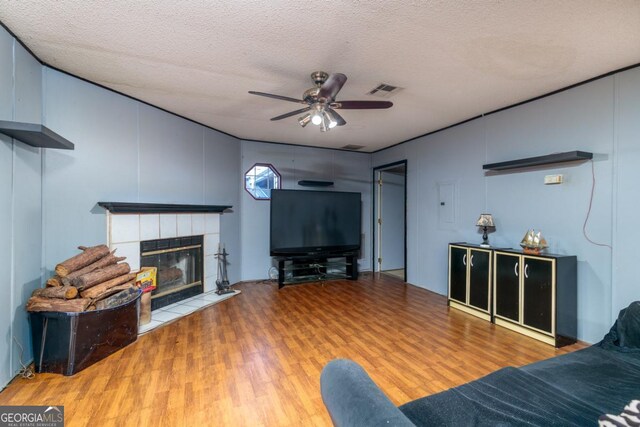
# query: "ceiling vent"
352, 147
384, 90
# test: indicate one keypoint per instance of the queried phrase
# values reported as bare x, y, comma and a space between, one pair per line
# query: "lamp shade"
485, 220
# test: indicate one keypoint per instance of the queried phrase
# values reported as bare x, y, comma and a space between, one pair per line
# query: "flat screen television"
305, 222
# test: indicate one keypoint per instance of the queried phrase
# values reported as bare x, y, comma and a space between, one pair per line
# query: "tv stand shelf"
312, 268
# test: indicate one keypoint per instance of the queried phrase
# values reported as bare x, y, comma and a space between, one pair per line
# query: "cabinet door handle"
471, 260
515, 269
526, 271
464, 259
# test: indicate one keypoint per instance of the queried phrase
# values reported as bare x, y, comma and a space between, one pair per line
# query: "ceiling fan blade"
293, 113
361, 105
332, 86
338, 118
283, 98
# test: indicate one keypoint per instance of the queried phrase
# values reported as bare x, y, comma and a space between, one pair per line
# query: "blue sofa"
572, 389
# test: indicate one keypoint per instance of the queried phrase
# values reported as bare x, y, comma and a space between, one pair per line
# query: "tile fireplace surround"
125, 231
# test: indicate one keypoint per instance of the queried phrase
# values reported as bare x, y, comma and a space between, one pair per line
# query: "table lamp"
485, 221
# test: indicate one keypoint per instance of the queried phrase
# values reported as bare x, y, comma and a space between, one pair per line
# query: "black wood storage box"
66, 343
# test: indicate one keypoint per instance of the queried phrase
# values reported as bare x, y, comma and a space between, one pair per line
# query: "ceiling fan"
321, 102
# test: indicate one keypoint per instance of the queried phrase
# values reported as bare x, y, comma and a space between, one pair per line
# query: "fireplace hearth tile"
211, 296
153, 324
184, 225
211, 223
131, 251
210, 283
125, 228
164, 315
211, 243
197, 224
210, 265
197, 303
149, 227
168, 226
191, 298
179, 308
198, 298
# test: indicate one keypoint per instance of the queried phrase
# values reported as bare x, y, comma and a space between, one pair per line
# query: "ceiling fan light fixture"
330, 117
324, 125
320, 102
304, 120
316, 118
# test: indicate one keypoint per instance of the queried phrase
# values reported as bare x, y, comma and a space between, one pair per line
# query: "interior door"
390, 219
378, 222
392, 224
507, 286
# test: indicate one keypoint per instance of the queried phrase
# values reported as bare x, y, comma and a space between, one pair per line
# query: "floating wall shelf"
569, 156
146, 208
311, 183
35, 135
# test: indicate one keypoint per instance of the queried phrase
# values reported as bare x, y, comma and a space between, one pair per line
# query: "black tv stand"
315, 267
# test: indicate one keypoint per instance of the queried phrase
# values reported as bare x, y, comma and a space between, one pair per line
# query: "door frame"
374, 214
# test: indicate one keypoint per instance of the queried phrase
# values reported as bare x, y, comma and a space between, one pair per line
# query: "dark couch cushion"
625, 333
507, 397
604, 377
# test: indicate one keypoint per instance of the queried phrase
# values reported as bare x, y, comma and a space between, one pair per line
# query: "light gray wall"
349, 171
126, 151
392, 221
601, 117
20, 203
6, 263
221, 187
626, 190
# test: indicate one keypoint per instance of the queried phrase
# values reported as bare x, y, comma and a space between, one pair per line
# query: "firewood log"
106, 261
168, 275
121, 297
63, 292
100, 275
94, 291
55, 304
88, 256
54, 281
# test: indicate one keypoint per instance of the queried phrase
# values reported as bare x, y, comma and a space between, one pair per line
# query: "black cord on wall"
586, 220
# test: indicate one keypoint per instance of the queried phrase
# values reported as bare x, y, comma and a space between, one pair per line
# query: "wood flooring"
255, 359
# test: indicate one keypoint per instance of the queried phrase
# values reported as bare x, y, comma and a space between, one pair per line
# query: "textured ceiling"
454, 59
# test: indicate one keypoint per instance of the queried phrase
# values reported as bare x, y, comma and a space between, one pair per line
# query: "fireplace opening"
179, 262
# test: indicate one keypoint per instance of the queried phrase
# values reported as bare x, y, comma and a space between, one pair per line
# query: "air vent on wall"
352, 147
384, 90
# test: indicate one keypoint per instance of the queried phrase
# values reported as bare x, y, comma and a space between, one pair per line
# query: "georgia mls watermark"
31, 416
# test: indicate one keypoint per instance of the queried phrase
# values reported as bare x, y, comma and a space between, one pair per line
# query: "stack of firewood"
93, 279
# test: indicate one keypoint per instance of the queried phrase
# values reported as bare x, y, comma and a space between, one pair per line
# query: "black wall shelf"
311, 183
569, 156
35, 135
146, 208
